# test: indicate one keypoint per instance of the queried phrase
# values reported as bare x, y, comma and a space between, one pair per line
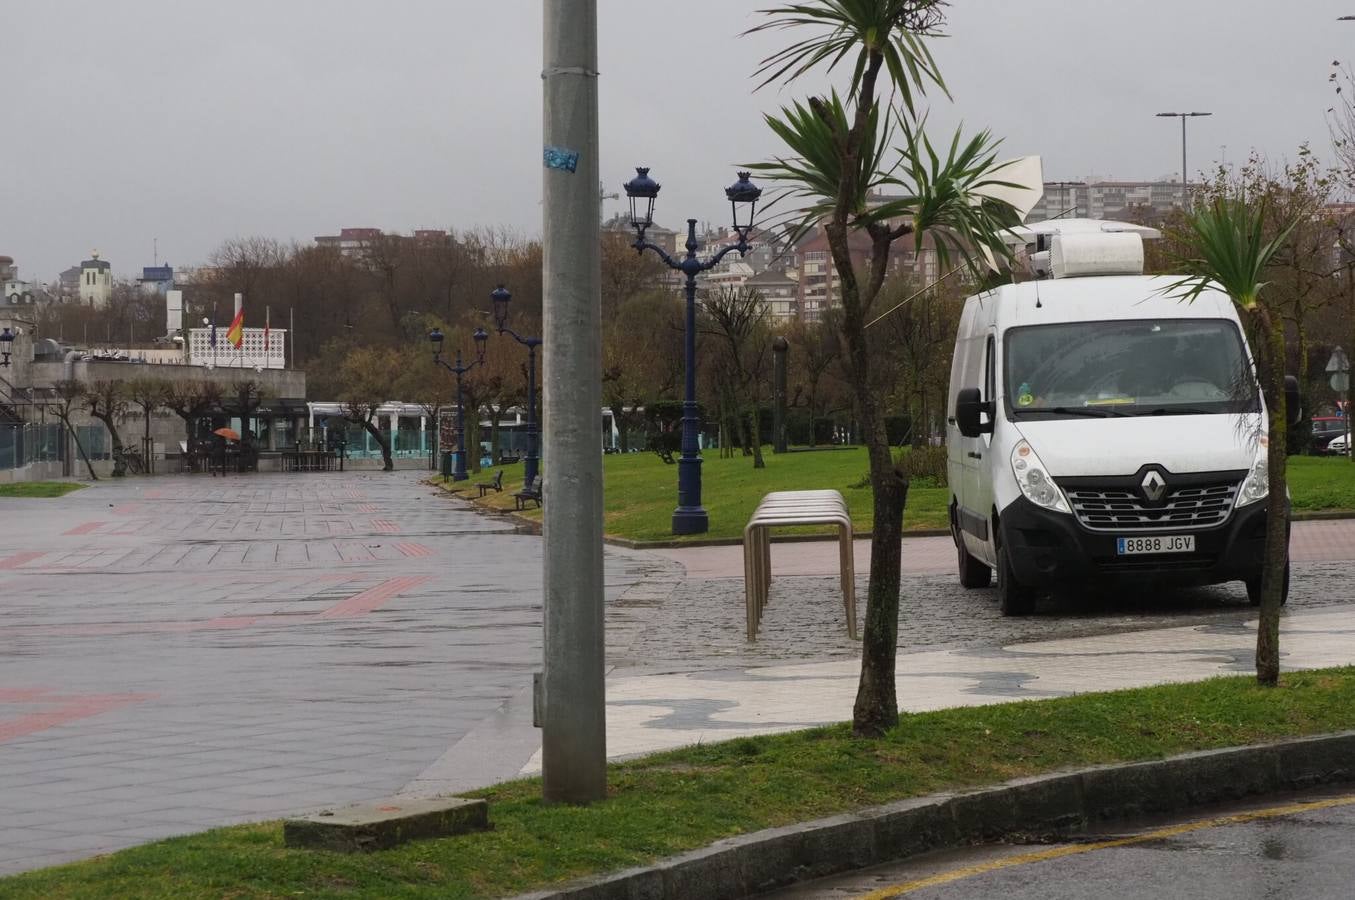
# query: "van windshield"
1128, 368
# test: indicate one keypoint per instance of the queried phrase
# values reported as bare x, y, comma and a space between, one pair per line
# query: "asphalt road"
1297, 847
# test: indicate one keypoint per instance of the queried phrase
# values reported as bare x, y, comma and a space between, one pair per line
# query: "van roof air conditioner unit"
1107, 253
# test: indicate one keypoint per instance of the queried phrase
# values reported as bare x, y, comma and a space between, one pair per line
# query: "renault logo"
1154, 487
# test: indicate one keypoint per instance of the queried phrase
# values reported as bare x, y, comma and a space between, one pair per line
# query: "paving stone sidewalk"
178, 653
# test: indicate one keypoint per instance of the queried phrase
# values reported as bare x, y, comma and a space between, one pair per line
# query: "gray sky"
193, 121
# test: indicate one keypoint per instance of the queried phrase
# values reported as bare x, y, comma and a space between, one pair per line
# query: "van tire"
1014, 598
973, 573
1254, 589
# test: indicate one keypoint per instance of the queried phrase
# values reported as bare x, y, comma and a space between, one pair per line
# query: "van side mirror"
1293, 403
968, 405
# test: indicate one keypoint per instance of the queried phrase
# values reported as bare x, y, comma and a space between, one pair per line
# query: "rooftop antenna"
155, 252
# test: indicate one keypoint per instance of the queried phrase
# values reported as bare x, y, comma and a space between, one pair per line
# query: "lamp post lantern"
690, 517
6, 342
501, 298
1185, 198
435, 338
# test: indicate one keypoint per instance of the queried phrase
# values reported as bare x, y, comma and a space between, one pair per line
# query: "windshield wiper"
1177, 411
1095, 412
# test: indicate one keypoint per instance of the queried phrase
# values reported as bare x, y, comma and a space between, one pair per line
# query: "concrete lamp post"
1185, 195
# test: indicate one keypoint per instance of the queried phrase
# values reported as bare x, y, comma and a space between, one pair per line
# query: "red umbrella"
229, 434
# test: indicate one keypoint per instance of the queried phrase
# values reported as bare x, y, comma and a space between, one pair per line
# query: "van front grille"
1187, 508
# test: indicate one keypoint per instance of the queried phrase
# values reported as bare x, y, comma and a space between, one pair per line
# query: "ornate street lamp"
501, 298
690, 517
435, 338
6, 342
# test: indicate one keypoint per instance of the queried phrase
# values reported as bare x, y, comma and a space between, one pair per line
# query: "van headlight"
1256, 486
1034, 479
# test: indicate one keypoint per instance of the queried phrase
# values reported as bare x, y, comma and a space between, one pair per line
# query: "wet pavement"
1296, 847
183, 652
178, 653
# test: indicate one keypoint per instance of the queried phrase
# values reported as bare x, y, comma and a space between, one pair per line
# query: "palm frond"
949, 198
810, 176
892, 30
1228, 250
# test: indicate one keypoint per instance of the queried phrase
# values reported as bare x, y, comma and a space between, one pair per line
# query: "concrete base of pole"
385, 823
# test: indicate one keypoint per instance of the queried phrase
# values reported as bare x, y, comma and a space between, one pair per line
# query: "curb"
1057, 803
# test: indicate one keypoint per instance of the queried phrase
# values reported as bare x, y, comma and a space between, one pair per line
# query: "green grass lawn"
640, 491
1318, 483
664, 804
38, 489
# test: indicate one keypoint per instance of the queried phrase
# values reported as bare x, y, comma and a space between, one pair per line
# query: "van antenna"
911, 297
1038, 304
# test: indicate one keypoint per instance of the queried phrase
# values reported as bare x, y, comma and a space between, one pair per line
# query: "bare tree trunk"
119, 461
755, 427
80, 448
382, 441
1277, 508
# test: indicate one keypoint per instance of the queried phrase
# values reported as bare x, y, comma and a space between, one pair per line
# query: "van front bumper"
1048, 548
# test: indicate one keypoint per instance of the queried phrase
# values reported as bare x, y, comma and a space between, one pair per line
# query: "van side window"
990, 371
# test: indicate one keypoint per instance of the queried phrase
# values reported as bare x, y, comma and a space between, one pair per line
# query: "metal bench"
486, 486
785, 508
530, 494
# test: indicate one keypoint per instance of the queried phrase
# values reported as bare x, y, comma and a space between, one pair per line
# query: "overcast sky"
193, 121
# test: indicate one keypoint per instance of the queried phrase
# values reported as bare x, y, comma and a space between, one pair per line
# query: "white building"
96, 281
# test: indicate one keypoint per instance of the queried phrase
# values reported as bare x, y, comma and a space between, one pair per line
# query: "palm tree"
1227, 248
844, 155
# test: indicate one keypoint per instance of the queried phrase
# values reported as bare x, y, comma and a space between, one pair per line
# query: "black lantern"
6, 342
642, 191
480, 336
435, 338
743, 196
501, 297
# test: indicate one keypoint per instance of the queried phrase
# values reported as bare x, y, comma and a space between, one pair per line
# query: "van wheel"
1254, 589
1014, 598
973, 573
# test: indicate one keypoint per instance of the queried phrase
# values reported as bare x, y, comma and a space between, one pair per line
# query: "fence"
24, 444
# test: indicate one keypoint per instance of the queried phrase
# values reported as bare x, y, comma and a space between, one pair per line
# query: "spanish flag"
236, 333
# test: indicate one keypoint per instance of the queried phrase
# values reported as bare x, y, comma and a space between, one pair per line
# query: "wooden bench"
784, 508
529, 494
486, 486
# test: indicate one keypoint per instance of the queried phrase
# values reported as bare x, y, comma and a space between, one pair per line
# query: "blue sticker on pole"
561, 158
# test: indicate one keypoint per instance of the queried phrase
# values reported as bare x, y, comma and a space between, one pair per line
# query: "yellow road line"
898, 890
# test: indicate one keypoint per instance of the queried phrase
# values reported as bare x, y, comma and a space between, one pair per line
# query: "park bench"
495, 485
529, 494
784, 508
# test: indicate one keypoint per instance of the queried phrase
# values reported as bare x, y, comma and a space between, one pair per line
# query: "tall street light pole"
1185, 198
435, 338
501, 298
690, 517
570, 701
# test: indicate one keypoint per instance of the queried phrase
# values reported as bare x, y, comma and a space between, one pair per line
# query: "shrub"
924, 466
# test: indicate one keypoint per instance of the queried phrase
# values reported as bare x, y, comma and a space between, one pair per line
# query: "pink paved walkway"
1311, 542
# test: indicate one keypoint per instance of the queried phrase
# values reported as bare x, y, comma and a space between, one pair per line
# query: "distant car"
1337, 446
1325, 429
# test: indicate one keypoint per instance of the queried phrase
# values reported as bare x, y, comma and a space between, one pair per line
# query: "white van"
1101, 428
